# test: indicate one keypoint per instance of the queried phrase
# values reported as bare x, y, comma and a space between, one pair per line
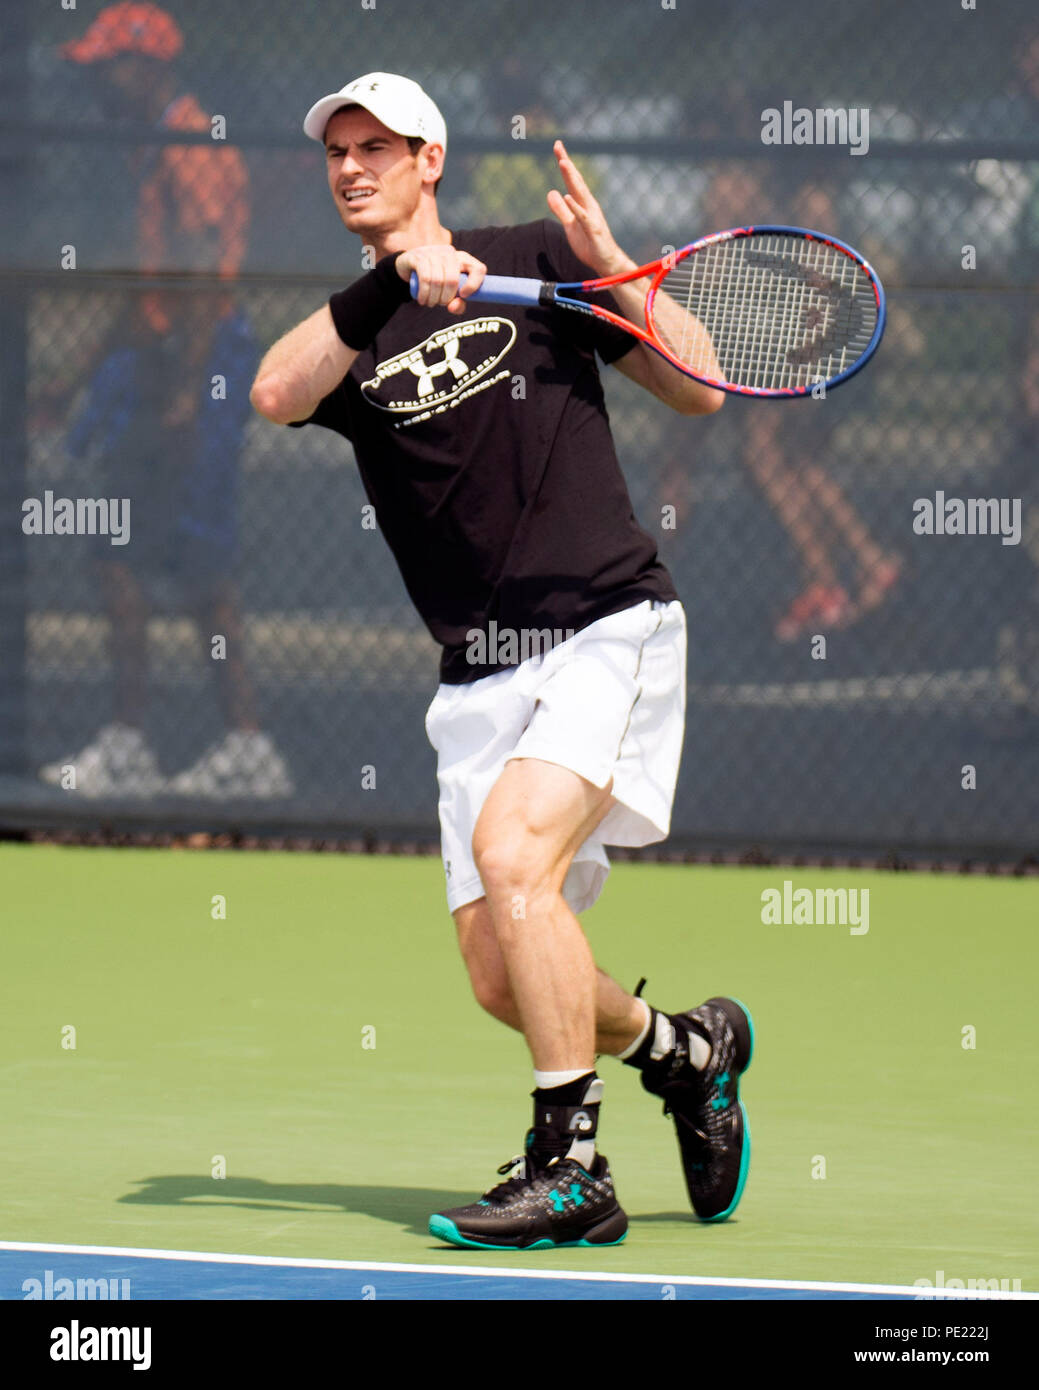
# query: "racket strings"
781, 312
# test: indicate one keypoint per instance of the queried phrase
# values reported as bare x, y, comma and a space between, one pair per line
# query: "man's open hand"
583, 221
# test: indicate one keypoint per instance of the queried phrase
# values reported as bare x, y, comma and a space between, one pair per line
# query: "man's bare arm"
592, 242
301, 369
312, 359
652, 371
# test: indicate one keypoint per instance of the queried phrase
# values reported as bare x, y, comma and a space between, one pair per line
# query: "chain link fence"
149, 253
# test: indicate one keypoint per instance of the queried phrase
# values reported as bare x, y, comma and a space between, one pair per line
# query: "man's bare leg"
536, 817
619, 1016
534, 820
531, 966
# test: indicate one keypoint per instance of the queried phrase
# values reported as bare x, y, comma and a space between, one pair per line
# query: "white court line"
291, 1262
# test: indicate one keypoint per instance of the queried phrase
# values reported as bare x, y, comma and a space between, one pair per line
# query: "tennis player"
483, 443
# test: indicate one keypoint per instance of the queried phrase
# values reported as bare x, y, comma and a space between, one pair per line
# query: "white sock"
663, 1036
664, 1041
546, 1080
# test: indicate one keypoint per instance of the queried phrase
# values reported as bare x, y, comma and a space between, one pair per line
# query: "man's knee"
513, 865
534, 820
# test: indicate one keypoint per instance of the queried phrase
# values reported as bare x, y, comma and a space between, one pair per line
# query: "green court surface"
244, 1038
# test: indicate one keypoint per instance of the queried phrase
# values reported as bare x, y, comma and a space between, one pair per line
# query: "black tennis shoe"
713, 1134
538, 1208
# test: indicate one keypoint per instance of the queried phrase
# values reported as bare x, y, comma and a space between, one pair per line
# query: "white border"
290, 1262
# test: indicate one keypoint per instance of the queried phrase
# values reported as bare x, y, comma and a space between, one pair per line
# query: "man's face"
374, 178
123, 85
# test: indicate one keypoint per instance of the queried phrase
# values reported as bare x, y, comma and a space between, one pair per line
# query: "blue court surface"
37, 1271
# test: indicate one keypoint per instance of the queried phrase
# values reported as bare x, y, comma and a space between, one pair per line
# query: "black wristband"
367, 305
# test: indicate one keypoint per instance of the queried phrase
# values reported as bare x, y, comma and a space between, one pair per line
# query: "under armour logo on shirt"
426, 371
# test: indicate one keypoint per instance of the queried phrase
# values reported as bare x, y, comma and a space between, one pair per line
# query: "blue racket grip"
498, 289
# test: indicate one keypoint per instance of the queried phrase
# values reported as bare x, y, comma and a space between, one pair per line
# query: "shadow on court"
405, 1207
409, 1208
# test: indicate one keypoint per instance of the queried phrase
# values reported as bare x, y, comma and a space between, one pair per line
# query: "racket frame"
661, 268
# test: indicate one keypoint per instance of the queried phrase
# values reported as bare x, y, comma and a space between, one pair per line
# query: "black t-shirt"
484, 446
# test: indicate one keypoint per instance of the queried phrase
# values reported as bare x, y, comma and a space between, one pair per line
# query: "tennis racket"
783, 310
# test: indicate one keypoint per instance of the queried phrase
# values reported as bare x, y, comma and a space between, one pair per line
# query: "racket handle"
498, 289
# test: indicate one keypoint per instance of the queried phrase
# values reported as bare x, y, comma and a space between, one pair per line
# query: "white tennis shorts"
608, 702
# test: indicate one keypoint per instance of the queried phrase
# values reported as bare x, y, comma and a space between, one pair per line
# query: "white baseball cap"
399, 103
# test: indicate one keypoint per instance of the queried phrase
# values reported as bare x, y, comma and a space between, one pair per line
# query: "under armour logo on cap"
398, 102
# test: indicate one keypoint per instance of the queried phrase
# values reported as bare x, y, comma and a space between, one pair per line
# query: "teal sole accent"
745, 1156
741, 1181
445, 1229
750, 1024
